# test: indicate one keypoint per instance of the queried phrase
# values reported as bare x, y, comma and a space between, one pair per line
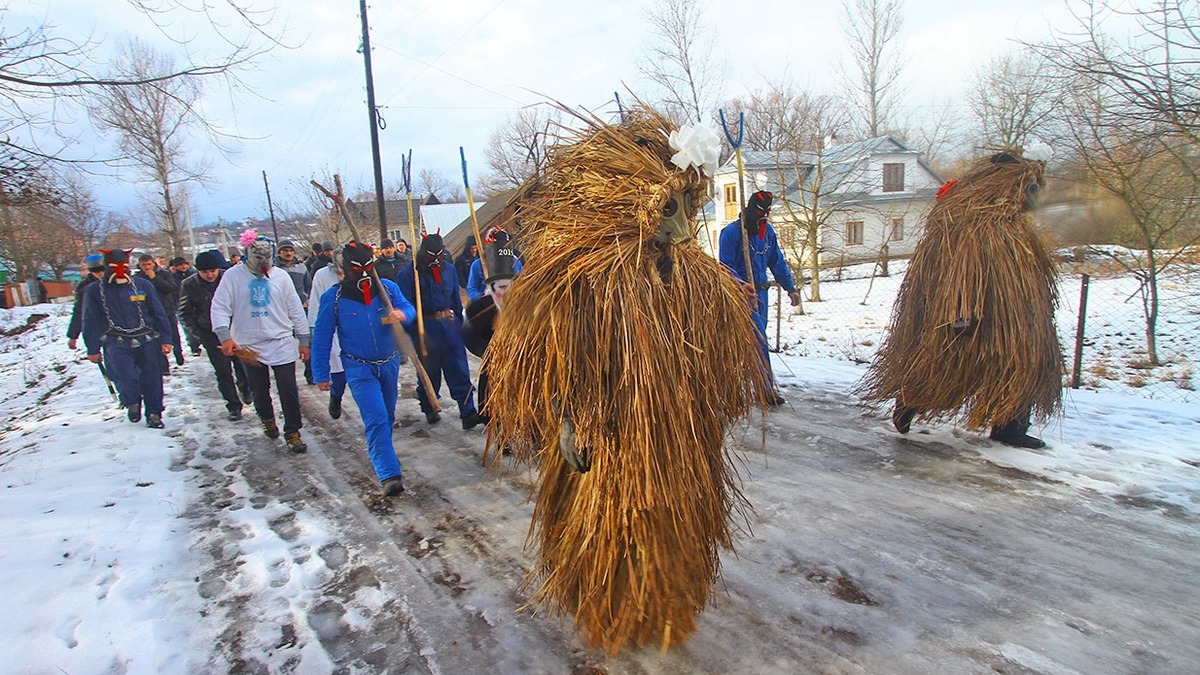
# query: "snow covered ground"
205, 547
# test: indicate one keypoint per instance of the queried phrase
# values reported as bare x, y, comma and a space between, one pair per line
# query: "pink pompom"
248, 238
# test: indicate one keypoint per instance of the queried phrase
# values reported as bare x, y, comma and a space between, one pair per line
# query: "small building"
868, 197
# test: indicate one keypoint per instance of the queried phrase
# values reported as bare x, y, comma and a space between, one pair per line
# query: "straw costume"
972, 336
621, 353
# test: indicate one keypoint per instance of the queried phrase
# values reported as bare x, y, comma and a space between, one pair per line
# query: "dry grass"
980, 259
650, 351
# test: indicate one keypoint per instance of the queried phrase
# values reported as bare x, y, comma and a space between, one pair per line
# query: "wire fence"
1111, 354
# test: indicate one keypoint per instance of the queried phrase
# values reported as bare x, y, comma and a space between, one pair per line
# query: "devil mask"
432, 255
756, 212
117, 263
358, 260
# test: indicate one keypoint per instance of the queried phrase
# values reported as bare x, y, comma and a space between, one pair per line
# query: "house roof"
486, 213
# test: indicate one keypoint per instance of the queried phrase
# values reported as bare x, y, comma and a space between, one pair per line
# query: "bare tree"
1012, 98
152, 122
431, 182
43, 73
872, 28
517, 149
682, 61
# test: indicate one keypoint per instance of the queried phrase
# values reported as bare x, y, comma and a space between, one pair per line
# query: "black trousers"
285, 385
224, 367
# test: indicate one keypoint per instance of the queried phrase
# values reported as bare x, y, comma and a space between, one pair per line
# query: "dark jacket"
164, 285
76, 325
389, 269
463, 265
195, 302
132, 309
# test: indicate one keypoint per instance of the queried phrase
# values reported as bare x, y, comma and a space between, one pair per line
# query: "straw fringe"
980, 258
649, 370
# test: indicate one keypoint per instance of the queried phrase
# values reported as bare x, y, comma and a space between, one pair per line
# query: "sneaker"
902, 418
335, 408
393, 486
1021, 441
134, 412
235, 415
472, 420
270, 428
195, 351
294, 443
432, 417
154, 420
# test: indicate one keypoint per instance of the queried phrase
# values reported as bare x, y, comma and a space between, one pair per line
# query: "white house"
870, 196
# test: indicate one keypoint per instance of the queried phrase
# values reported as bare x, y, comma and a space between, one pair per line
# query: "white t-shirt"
262, 313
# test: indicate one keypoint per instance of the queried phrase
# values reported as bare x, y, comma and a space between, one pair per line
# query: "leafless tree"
44, 72
152, 122
432, 182
938, 133
872, 28
1012, 98
517, 149
682, 61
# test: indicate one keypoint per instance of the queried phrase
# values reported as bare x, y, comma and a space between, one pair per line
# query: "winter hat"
285, 244
387, 243
499, 255
178, 260
208, 260
94, 262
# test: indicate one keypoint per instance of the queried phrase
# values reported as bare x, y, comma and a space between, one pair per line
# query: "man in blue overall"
764, 254
442, 310
123, 317
355, 312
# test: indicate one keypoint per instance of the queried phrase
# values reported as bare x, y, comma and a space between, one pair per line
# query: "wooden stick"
412, 232
402, 338
474, 220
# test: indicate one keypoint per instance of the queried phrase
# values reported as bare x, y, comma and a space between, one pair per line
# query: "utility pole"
271, 209
374, 115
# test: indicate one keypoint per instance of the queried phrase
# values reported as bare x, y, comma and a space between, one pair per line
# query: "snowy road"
866, 552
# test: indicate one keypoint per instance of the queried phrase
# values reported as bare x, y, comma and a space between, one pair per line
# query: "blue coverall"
443, 337
764, 254
132, 356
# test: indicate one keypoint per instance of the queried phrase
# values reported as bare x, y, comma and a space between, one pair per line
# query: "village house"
868, 199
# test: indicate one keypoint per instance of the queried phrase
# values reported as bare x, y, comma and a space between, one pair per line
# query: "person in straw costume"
621, 352
972, 335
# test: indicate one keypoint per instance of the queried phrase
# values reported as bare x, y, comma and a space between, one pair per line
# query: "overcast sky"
447, 73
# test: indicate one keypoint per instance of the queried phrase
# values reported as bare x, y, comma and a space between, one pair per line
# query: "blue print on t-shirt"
260, 296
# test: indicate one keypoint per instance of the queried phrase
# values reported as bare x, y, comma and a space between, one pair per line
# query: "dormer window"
893, 177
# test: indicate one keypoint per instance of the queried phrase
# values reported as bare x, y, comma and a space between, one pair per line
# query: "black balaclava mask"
432, 255
756, 212
117, 262
358, 260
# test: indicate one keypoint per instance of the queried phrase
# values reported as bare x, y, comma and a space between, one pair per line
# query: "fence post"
1079, 330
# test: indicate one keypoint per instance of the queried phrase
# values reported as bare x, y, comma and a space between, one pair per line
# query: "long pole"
471, 207
402, 339
271, 208
741, 172
374, 117
406, 170
1077, 366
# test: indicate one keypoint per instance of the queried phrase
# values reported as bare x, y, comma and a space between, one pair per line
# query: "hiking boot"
335, 408
472, 420
154, 420
1019, 441
270, 428
235, 414
432, 417
294, 443
393, 486
179, 358
134, 412
902, 418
